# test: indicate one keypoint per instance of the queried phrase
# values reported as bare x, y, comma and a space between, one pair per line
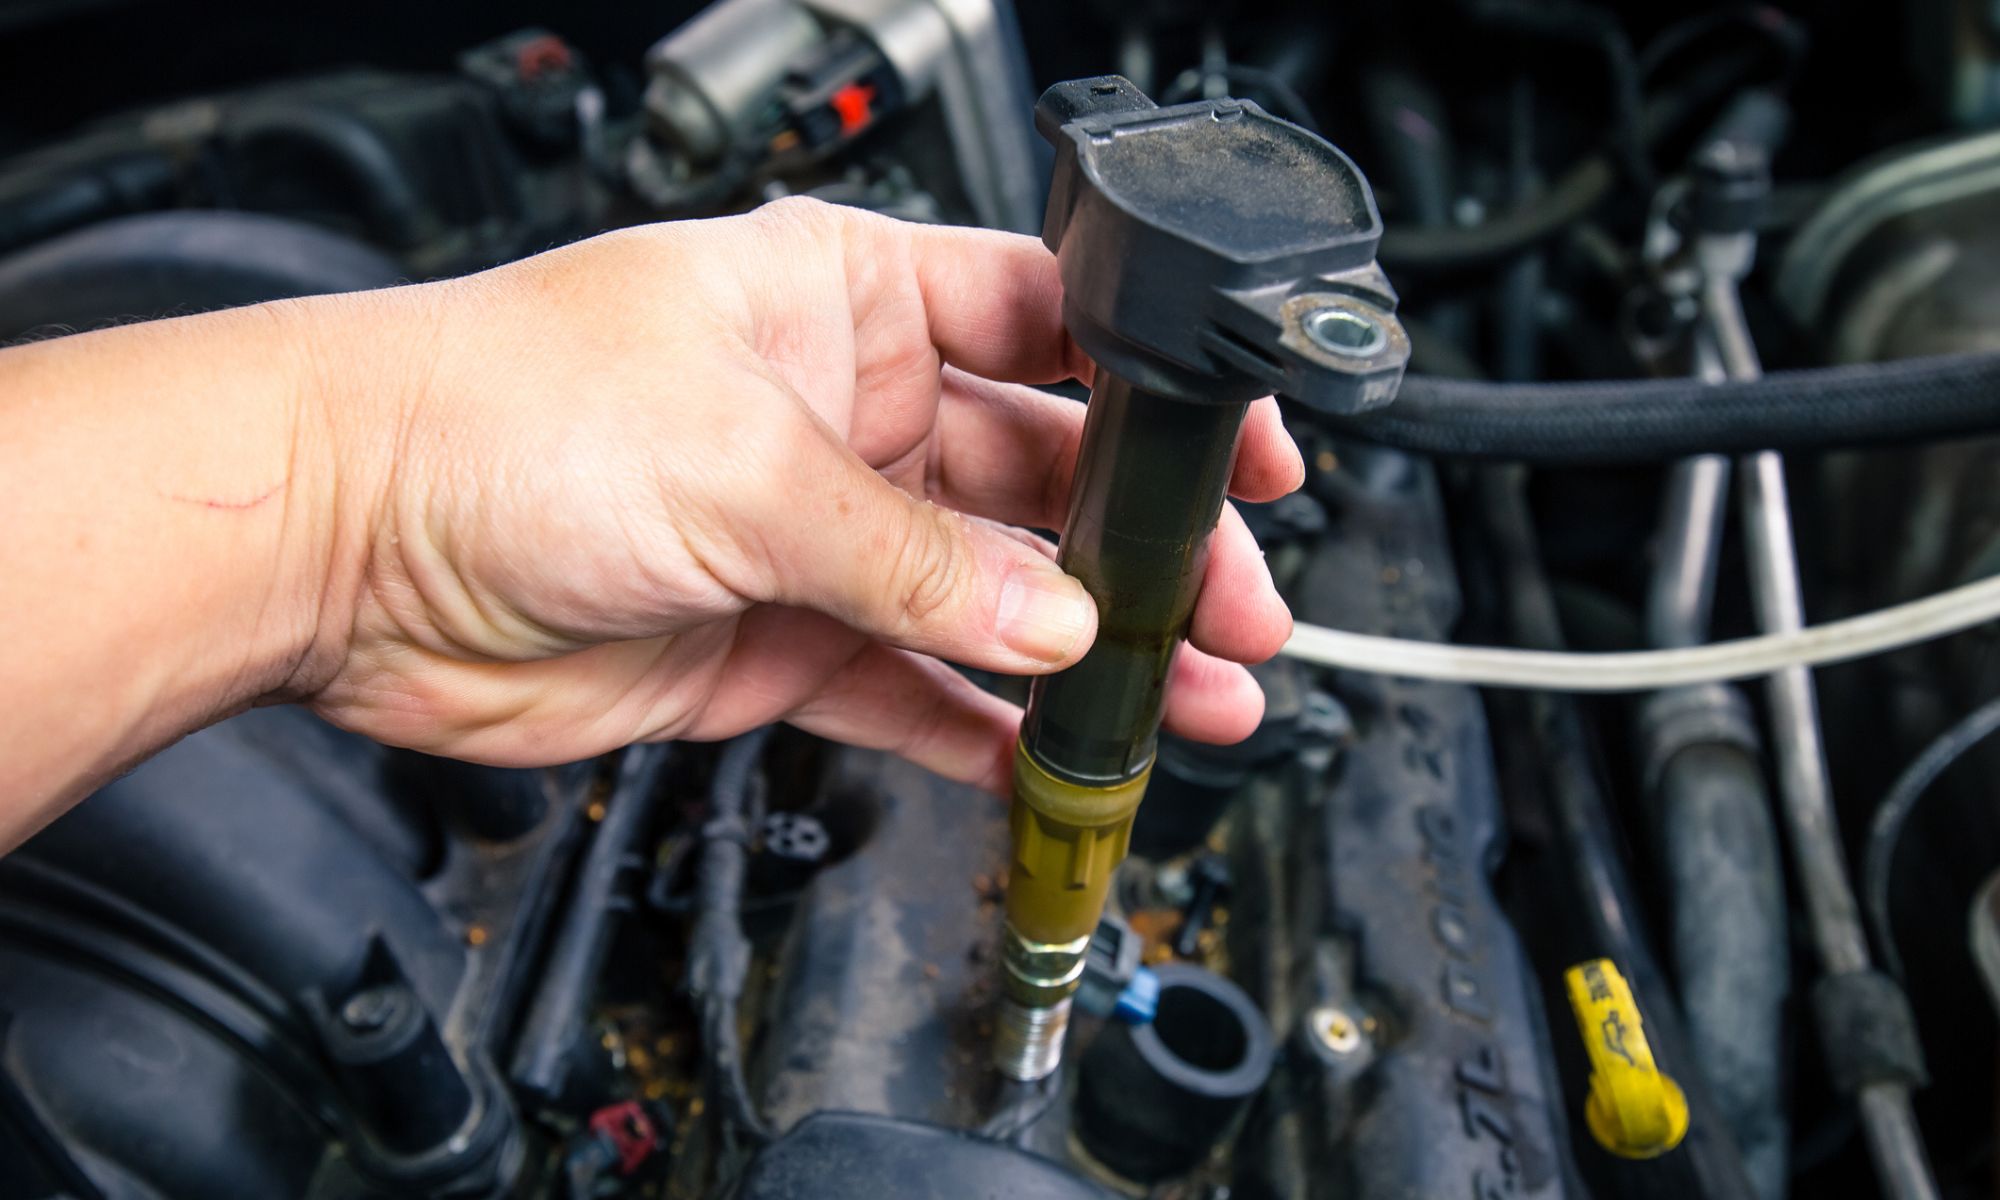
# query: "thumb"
846, 542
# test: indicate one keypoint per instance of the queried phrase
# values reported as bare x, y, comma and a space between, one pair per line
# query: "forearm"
170, 536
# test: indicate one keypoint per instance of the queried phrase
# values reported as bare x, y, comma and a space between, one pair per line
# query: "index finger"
992, 301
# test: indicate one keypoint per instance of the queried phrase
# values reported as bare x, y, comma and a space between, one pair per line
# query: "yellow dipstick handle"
1634, 1110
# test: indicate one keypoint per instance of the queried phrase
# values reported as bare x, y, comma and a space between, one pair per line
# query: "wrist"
350, 393
185, 533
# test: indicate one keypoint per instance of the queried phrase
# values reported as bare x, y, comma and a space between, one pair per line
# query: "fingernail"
1044, 613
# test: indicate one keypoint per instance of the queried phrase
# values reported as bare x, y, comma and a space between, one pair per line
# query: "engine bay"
1690, 888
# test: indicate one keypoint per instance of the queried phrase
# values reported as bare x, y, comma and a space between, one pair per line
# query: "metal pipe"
1683, 585
1780, 606
1727, 900
1894, 1140
1801, 753
1682, 592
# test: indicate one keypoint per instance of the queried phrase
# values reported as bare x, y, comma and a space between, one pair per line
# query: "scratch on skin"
231, 505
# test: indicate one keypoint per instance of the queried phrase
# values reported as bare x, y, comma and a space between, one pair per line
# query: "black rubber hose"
1284, 99
1778, 31
1574, 195
545, 1054
1454, 247
1603, 33
1407, 121
270, 138
718, 952
1727, 902
1651, 420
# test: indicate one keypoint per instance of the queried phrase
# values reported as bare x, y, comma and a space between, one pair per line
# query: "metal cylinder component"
1683, 585
1043, 972
1802, 771
1028, 1038
709, 76
1154, 1099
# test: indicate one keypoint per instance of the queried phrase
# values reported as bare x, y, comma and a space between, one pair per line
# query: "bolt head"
372, 1009
1335, 1030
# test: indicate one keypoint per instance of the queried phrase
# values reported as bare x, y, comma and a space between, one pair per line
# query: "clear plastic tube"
1885, 629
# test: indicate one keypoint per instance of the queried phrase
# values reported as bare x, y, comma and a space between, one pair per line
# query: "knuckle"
930, 565
800, 214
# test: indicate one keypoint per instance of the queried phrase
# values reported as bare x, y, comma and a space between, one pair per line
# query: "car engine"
1646, 365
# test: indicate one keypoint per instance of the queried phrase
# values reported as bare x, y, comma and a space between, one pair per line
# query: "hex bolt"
371, 1010
1335, 1031
1173, 884
1344, 332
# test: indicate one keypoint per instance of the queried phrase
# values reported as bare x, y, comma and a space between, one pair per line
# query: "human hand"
683, 480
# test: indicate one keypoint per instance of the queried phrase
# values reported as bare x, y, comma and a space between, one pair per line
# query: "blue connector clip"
1115, 984
1140, 1001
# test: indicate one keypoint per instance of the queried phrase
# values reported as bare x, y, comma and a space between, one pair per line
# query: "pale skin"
673, 482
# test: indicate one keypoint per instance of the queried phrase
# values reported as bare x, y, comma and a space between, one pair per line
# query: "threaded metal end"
1037, 974
1028, 1040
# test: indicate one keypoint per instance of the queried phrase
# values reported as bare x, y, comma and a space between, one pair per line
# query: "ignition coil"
1210, 254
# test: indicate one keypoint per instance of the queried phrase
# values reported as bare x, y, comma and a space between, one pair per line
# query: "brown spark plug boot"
1210, 254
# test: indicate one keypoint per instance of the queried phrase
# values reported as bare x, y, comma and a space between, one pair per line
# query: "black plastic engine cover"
852, 1156
1367, 896
165, 946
